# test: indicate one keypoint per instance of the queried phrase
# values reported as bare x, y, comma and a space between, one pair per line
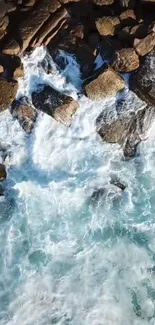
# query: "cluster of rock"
122, 31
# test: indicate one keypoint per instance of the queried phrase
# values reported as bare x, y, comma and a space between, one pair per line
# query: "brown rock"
103, 2
25, 114
50, 26
19, 72
128, 17
2, 34
4, 23
126, 60
3, 174
11, 48
30, 3
67, 1
105, 84
54, 5
107, 26
1, 69
59, 106
11, 6
145, 45
7, 93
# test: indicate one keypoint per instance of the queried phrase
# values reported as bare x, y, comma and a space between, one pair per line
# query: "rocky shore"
121, 31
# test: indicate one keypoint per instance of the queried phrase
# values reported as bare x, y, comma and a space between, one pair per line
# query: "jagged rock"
25, 114
3, 174
128, 17
126, 122
103, 2
126, 60
129, 33
7, 93
59, 106
145, 45
105, 83
4, 23
54, 5
30, 3
107, 26
11, 6
50, 27
98, 194
143, 81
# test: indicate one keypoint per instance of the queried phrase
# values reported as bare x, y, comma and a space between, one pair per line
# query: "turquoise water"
65, 259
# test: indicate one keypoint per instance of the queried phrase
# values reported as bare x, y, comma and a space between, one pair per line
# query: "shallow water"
63, 258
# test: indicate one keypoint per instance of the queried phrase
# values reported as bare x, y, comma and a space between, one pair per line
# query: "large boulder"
3, 173
145, 45
7, 93
55, 104
107, 26
126, 122
25, 114
105, 83
143, 81
126, 60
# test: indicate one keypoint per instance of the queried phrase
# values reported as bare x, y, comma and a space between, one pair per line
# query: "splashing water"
64, 260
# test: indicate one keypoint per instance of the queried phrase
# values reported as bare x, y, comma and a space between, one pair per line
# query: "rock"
59, 106
143, 81
107, 26
103, 2
11, 47
114, 181
29, 3
4, 23
25, 114
93, 40
19, 72
108, 46
67, 1
50, 27
98, 194
105, 83
128, 17
7, 93
1, 69
127, 3
54, 5
11, 6
3, 174
28, 28
126, 122
126, 60
1, 190
145, 45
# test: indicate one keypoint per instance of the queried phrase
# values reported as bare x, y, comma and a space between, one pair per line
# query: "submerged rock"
98, 194
126, 122
3, 174
118, 183
7, 93
106, 83
55, 104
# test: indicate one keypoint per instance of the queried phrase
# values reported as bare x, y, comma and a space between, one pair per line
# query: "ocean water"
65, 259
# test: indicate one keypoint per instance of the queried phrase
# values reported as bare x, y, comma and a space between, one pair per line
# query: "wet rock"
1, 190
107, 26
126, 122
145, 45
7, 93
19, 72
3, 174
4, 23
25, 114
143, 81
11, 47
55, 104
126, 60
105, 83
98, 194
114, 181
